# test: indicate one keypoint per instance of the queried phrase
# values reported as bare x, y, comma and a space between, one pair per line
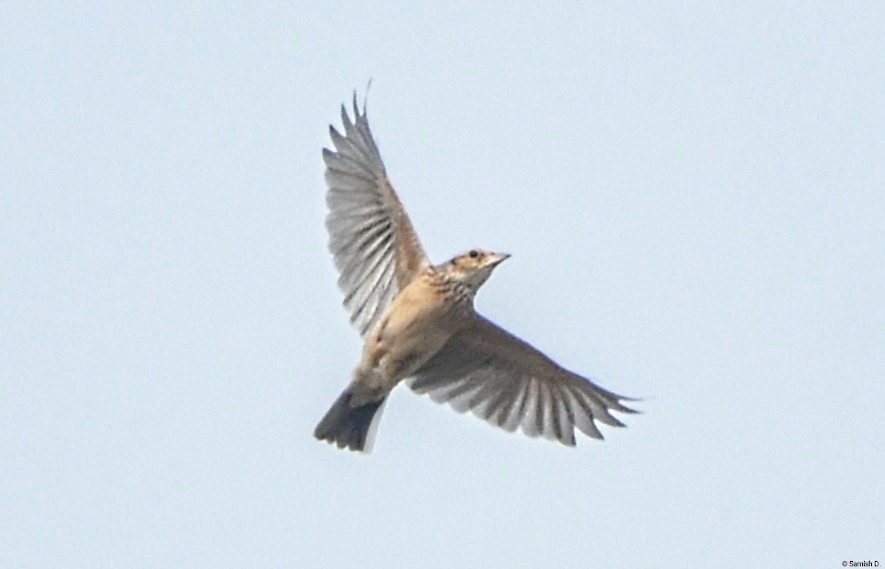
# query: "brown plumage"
419, 324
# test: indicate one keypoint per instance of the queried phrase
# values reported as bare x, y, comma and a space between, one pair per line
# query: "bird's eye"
473, 253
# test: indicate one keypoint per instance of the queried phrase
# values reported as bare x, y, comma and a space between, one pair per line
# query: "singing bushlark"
419, 324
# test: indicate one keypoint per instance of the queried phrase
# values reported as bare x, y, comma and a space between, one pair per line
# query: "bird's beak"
498, 258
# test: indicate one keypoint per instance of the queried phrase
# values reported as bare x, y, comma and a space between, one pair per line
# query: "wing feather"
510, 384
374, 246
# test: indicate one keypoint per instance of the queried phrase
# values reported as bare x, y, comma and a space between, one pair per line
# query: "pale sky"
693, 196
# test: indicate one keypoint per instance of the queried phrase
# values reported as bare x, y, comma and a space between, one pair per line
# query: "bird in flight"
418, 322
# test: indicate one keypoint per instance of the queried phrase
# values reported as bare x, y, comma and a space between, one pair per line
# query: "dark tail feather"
349, 426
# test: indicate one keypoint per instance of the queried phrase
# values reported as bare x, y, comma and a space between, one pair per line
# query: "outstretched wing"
376, 251
510, 384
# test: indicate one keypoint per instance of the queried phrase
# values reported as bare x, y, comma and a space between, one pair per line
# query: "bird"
419, 324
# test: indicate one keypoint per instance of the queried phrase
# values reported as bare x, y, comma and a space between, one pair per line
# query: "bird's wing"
376, 251
510, 384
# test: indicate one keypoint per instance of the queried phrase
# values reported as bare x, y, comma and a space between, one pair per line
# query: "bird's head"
474, 267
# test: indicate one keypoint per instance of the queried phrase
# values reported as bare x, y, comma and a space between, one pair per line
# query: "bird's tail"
350, 425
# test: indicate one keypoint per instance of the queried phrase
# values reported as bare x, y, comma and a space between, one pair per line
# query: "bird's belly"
403, 341
408, 351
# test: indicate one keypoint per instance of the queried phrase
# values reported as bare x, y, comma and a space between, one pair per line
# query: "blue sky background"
694, 198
